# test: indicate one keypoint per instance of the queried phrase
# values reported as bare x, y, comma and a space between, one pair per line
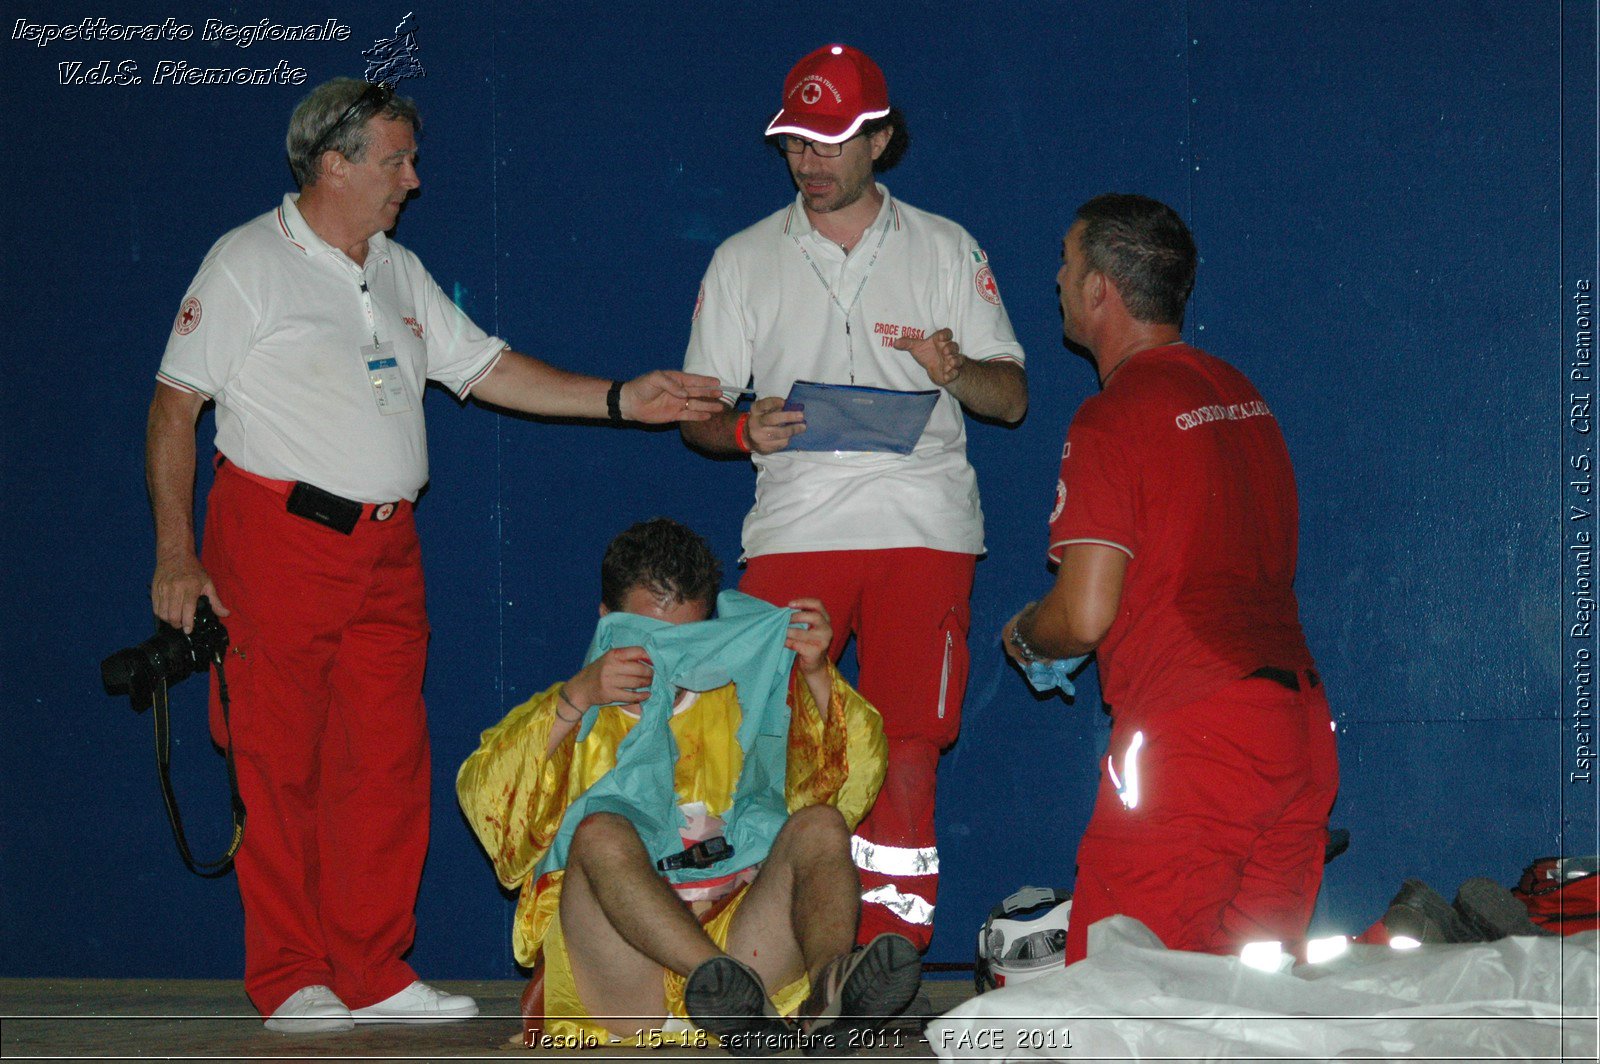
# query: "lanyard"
883, 234
366, 304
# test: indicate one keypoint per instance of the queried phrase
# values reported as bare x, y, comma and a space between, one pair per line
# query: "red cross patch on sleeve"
986, 285
188, 317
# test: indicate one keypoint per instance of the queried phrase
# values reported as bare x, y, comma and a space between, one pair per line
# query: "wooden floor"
107, 1019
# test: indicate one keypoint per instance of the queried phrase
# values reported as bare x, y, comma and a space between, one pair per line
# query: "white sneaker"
418, 1003
311, 1010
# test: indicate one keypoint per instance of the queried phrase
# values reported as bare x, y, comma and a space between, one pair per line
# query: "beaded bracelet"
1023, 646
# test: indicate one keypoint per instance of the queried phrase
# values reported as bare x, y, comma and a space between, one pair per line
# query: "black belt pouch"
324, 507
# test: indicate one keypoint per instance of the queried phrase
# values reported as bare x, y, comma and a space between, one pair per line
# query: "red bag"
1562, 893
532, 1007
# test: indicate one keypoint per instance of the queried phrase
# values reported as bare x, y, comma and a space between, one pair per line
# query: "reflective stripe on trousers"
894, 860
908, 907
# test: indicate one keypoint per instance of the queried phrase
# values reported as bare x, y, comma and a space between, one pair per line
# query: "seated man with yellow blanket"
677, 819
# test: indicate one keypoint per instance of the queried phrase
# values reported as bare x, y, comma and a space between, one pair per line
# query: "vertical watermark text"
1578, 533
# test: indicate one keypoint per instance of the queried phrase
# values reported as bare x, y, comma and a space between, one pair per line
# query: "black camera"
702, 854
165, 658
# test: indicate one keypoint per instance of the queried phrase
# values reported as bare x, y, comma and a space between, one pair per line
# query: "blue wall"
1395, 207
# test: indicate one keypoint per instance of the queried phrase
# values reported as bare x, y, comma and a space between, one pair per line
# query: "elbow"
1074, 634
1014, 404
1084, 635
700, 435
1014, 413
1087, 625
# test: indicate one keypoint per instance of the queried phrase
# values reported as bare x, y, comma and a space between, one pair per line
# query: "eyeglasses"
790, 144
374, 98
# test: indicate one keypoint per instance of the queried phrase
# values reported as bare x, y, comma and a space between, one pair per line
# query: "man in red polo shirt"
1175, 532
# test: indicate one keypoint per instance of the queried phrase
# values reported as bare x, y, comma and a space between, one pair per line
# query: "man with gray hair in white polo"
315, 334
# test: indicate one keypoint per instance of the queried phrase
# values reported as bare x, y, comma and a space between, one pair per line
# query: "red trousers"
909, 611
328, 636
1211, 820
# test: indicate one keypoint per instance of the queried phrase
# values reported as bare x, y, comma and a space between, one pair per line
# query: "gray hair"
326, 106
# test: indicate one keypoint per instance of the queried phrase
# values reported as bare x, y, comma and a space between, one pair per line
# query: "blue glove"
1048, 675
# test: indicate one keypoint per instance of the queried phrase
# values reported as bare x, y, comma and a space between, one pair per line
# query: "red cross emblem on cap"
829, 94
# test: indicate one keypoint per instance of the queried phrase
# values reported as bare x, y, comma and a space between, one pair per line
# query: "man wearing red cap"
848, 285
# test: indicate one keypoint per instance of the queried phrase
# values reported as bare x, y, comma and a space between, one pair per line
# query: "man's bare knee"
600, 836
817, 831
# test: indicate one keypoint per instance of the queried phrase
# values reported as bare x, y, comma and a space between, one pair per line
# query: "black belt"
1285, 677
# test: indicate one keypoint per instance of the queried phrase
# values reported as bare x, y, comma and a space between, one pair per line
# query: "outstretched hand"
938, 353
666, 395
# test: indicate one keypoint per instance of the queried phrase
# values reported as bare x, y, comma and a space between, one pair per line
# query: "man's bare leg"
623, 924
801, 914
801, 911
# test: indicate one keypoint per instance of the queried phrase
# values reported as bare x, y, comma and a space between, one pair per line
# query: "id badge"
388, 383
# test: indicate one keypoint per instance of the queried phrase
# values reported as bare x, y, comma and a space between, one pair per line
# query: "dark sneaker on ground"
1493, 911
916, 1016
858, 992
1419, 912
726, 998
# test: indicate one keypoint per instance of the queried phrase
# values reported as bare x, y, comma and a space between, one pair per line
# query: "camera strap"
207, 869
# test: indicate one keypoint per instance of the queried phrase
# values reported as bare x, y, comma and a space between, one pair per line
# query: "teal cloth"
742, 645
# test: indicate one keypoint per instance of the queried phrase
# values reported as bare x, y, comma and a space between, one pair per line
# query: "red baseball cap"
829, 94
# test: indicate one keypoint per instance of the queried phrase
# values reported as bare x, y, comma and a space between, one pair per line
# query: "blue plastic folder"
853, 417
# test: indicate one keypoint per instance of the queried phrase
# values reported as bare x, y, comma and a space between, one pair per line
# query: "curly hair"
668, 559
899, 140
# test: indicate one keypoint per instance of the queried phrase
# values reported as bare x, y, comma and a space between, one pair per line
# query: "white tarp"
1133, 999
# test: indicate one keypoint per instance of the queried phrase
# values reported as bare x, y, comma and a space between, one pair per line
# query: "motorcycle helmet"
1024, 937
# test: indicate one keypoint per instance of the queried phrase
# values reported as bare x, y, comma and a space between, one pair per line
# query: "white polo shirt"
273, 328
774, 308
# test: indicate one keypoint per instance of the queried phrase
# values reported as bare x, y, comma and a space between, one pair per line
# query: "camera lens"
117, 671
165, 658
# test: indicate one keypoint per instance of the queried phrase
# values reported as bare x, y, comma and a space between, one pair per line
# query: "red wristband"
739, 430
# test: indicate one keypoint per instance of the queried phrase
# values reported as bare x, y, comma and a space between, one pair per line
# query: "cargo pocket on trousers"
952, 671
